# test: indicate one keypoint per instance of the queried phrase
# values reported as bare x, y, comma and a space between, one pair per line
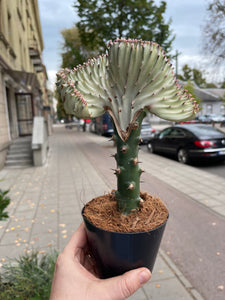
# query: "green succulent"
132, 78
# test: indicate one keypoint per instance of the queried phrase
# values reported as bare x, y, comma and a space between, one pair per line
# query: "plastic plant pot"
116, 253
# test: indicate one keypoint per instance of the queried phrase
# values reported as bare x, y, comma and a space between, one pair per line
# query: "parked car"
211, 118
147, 132
204, 119
102, 125
215, 118
189, 142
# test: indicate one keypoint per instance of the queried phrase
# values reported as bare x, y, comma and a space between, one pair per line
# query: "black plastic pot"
116, 253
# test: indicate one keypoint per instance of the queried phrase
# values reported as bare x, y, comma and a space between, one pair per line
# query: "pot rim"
124, 233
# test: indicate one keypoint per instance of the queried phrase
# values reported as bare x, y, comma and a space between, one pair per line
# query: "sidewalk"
46, 203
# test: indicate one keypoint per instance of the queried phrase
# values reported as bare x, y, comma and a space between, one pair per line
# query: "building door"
25, 113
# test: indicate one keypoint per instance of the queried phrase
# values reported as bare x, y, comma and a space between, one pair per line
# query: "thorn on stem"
123, 149
131, 187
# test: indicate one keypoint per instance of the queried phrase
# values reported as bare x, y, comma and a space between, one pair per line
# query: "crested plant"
133, 77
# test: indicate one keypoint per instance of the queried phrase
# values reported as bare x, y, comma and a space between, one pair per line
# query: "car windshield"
204, 131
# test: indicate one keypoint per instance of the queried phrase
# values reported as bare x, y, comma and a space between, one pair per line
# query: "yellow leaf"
62, 225
157, 285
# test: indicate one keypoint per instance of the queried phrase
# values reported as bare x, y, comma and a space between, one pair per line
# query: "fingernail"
144, 276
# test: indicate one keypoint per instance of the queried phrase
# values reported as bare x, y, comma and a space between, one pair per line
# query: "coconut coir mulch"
102, 212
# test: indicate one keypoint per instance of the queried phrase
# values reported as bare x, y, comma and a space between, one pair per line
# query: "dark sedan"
189, 142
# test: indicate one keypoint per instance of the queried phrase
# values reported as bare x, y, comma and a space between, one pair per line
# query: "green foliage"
28, 277
61, 113
103, 20
198, 78
223, 85
4, 202
194, 75
74, 53
187, 73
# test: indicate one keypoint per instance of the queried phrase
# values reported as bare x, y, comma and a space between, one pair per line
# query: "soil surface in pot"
102, 212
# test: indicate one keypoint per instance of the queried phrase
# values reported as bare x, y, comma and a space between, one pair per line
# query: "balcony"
35, 56
33, 50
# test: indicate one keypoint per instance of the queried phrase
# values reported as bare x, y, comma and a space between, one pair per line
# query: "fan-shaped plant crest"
133, 76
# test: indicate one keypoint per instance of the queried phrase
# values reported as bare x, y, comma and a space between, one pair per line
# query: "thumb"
122, 287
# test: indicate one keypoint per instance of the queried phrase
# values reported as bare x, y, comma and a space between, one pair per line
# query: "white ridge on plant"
132, 77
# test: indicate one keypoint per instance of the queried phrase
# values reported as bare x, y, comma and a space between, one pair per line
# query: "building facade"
212, 102
23, 77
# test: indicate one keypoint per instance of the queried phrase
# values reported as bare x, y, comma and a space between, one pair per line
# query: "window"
176, 132
209, 109
165, 132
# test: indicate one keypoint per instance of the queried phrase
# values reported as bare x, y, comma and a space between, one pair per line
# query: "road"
216, 168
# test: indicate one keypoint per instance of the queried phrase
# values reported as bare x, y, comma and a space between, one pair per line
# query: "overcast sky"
187, 21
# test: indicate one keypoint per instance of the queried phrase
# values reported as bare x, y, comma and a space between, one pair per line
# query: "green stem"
128, 171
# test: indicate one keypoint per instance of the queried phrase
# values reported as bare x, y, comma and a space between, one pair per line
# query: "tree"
198, 78
104, 20
194, 75
214, 30
223, 85
61, 113
74, 53
187, 73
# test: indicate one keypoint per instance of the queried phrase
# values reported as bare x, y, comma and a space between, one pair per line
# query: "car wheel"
182, 156
150, 147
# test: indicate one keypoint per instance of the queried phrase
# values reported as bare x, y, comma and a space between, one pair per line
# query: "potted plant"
134, 77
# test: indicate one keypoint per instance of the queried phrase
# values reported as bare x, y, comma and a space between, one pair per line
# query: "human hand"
75, 277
